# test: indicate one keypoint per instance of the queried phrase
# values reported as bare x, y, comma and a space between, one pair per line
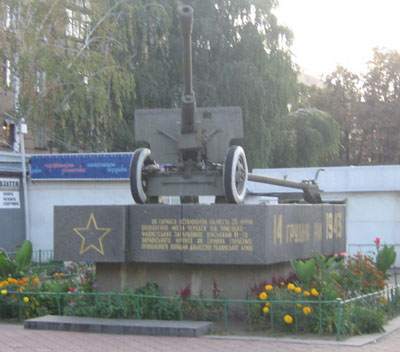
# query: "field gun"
194, 151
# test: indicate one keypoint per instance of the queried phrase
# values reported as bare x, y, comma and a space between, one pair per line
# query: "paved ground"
14, 338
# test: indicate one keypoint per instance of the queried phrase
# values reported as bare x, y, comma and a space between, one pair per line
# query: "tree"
84, 69
341, 98
75, 77
382, 99
240, 58
310, 138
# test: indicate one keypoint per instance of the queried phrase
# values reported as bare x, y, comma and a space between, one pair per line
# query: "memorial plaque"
294, 232
151, 236
90, 233
199, 234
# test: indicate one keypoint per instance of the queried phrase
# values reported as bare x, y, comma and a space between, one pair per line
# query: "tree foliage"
240, 58
367, 109
75, 72
128, 55
311, 138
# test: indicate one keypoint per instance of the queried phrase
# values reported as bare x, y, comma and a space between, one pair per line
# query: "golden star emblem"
92, 234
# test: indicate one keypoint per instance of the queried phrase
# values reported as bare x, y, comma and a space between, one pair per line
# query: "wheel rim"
235, 175
138, 183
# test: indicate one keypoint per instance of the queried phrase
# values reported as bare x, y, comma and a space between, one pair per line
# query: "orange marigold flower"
36, 280
307, 293
263, 296
290, 287
314, 292
297, 289
288, 319
306, 310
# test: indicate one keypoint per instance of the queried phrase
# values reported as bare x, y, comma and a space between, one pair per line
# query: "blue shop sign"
80, 166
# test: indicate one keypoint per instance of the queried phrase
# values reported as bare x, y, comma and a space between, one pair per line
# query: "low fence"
39, 257
339, 317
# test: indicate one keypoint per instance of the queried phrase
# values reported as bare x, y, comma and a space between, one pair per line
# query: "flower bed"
341, 295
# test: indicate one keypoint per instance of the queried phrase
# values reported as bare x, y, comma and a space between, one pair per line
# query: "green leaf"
385, 258
24, 256
7, 267
305, 271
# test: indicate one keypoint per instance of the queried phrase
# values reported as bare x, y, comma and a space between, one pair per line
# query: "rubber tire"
135, 175
235, 175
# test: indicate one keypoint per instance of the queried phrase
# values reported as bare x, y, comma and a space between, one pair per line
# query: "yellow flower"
61, 274
297, 289
269, 288
265, 310
282, 283
290, 287
3, 292
25, 279
267, 304
299, 305
10, 280
36, 280
288, 319
306, 310
26, 299
307, 293
314, 292
263, 296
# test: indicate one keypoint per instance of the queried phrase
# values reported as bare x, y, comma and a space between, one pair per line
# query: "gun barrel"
311, 191
188, 99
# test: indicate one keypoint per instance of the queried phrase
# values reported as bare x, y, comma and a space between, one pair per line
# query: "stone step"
120, 326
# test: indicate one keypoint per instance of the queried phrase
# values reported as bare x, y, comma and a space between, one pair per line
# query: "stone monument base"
233, 281
238, 246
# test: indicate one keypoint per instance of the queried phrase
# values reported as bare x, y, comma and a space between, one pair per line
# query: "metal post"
338, 317
24, 182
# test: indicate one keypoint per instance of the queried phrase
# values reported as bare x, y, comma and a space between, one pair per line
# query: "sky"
328, 33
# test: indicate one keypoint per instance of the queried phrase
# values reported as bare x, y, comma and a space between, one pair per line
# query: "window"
77, 24
7, 17
7, 73
40, 83
40, 138
8, 133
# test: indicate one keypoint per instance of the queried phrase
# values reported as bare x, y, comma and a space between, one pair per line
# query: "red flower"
186, 292
72, 289
377, 241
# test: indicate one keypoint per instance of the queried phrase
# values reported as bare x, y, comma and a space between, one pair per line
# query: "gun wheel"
235, 175
138, 183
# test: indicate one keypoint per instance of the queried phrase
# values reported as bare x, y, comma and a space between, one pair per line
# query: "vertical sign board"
12, 216
9, 193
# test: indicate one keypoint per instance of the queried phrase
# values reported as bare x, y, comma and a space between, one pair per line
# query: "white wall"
369, 214
44, 195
